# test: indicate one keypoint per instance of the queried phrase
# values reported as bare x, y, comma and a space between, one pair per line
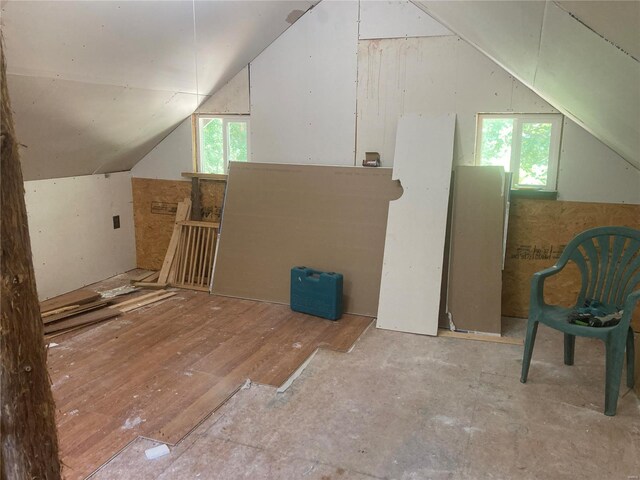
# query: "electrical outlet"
116, 221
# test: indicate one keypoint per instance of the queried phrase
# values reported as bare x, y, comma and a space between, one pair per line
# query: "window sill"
534, 194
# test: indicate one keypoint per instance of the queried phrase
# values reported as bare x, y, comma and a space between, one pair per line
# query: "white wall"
396, 19
232, 98
303, 95
445, 74
303, 88
174, 154
71, 226
170, 157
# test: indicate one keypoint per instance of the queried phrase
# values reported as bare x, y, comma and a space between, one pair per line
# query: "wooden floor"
159, 371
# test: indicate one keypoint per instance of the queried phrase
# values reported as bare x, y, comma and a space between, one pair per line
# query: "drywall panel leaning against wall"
416, 226
475, 268
280, 216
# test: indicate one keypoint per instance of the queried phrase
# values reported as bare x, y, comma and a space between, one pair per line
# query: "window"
526, 145
220, 140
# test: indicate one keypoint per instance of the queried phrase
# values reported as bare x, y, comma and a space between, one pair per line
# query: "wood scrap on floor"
75, 311
88, 318
142, 301
77, 297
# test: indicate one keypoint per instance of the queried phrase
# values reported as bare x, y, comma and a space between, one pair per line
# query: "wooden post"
196, 200
27, 422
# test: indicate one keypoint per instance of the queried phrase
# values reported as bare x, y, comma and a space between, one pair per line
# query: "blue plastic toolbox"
316, 293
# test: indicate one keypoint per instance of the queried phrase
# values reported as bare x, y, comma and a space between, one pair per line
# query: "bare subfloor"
413, 407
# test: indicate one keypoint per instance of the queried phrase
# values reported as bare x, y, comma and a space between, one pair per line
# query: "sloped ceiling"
96, 85
578, 56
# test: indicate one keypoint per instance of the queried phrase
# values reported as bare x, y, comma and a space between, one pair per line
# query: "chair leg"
569, 348
532, 329
615, 359
630, 360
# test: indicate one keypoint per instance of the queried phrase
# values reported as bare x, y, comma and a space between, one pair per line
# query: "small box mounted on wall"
371, 159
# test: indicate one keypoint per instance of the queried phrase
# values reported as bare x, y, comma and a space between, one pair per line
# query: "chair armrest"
536, 300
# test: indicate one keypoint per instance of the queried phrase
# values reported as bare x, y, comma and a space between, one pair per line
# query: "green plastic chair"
609, 263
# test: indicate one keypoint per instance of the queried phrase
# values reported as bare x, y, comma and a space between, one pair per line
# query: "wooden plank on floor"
84, 319
76, 311
78, 297
143, 303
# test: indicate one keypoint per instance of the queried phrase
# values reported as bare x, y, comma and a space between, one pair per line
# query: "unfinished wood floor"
159, 371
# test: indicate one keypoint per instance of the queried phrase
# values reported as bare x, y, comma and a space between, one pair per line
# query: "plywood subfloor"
159, 371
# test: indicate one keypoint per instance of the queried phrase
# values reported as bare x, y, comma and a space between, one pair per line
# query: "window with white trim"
528, 145
221, 139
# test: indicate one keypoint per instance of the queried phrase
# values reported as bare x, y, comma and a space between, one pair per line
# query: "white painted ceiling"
582, 62
96, 85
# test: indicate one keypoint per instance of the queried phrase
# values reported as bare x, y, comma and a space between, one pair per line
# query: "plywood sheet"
538, 232
475, 276
280, 216
416, 230
154, 210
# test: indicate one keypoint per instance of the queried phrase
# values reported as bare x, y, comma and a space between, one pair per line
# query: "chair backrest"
609, 263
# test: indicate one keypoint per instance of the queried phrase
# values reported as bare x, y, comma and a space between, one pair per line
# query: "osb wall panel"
538, 232
154, 210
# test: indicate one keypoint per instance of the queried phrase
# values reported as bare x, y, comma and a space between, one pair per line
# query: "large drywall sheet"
303, 92
442, 74
72, 235
280, 216
416, 228
477, 230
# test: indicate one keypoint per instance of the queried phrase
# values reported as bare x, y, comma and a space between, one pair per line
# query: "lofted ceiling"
580, 56
96, 85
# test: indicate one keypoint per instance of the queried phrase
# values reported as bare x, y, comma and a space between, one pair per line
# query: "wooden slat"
193, 223
184, 209
78, 297
148, 301
59, 310
80, 309
84, 319
138, 299
203, 270
153, 285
